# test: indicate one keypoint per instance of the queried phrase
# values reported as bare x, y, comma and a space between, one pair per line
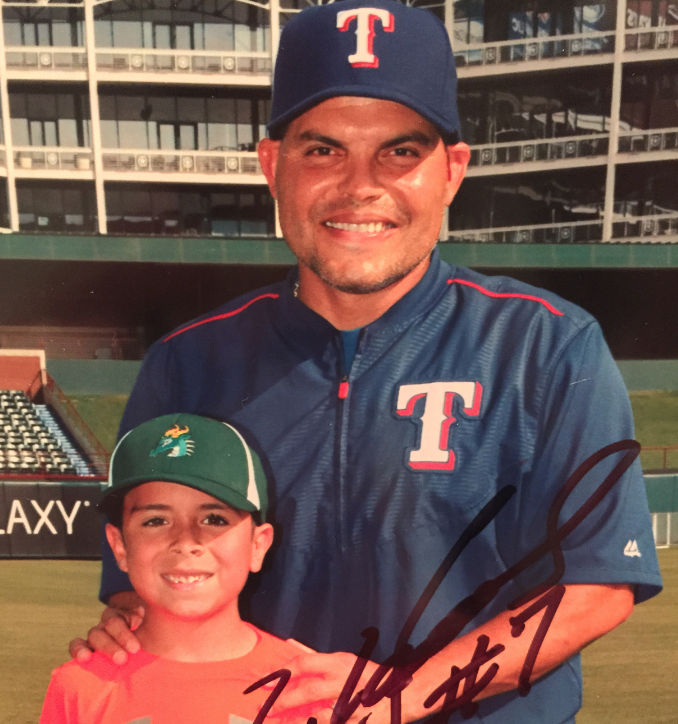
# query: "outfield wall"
116, 377
94, 376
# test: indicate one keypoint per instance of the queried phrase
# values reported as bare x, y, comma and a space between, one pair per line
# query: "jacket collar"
309, 329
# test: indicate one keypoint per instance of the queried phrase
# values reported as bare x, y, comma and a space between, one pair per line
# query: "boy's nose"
187, 541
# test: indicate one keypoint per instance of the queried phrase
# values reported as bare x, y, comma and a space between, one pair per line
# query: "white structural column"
94, 111
7, 132
449, 26
619, 41
274, 8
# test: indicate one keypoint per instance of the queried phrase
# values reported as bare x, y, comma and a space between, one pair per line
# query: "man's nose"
360, 181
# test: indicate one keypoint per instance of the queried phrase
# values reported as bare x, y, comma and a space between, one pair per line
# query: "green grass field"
655, 414
629, 674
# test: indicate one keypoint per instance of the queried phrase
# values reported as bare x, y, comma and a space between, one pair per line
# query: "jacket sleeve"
585, 408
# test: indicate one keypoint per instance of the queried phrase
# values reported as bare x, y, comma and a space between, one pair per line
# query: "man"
422, 423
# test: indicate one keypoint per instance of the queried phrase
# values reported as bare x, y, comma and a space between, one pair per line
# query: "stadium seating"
31, 442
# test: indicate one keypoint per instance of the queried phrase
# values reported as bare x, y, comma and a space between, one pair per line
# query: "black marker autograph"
395, 673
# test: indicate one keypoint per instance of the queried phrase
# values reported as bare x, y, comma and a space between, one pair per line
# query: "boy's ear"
262, 537
117, 543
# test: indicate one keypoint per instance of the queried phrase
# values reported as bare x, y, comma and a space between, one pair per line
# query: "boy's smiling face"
187, 553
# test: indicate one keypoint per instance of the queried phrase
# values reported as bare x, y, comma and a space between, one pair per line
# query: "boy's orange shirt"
152, 690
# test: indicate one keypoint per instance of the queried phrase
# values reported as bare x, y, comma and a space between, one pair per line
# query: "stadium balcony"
235, 167
56, 162
648, 145
531, 155
139, 65
550, 52
46, 63
534, 54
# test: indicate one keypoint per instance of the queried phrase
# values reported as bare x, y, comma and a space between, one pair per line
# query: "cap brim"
451, 132
112, 500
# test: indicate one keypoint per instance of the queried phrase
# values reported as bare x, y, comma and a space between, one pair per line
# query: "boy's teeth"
186, 579
370, 228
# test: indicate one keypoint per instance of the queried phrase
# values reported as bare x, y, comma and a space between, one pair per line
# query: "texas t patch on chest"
434, 451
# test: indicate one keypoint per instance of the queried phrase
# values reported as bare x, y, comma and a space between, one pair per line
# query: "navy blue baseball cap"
370, 48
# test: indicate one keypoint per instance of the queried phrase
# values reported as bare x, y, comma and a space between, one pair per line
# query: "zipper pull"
343, 388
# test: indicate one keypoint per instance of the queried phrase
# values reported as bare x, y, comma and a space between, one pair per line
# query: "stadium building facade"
141, 117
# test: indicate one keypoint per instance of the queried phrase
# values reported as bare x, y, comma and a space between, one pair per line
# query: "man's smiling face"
362, 184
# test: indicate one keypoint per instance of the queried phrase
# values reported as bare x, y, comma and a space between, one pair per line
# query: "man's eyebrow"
320, 138
413, 137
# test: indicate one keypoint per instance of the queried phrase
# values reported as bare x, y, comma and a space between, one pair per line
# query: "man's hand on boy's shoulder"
113, 635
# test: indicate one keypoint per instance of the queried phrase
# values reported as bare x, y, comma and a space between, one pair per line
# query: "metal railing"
52, 395
654, 139
216, 162
45, 59
560, 233
531, 49
53, 158
664, 449
637, 227
654, 38
133, 60
550, 149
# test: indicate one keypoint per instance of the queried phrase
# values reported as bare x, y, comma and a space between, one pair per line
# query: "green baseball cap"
196, 451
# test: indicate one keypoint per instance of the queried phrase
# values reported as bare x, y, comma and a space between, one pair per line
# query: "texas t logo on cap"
379, 49
365, 19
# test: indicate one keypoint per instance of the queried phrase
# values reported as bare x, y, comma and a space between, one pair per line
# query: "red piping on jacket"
220, 316
499, 295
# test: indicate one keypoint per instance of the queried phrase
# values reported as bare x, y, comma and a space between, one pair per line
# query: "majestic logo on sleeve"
434, 452
365, 19
175, 443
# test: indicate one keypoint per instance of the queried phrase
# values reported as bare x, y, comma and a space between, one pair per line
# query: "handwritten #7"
396, 672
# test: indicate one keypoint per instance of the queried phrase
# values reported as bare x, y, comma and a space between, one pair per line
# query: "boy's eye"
153, 522
215, 519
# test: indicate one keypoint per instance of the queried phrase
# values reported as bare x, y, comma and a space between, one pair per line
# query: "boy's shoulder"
100, 668
270, 651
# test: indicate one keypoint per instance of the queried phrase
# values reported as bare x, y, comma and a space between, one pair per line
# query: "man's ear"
268, 158
458, 157
117, 543
262, 537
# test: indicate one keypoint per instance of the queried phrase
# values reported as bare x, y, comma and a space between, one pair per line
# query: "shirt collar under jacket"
309, 329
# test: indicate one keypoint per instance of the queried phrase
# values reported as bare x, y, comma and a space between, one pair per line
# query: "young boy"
186, 501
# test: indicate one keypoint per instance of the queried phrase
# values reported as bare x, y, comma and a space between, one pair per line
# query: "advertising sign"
49, 520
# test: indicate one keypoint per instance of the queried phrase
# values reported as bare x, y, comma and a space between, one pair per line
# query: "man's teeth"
186, 579
371, 228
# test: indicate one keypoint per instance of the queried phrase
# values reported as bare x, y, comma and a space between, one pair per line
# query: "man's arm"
113, 634
585, 613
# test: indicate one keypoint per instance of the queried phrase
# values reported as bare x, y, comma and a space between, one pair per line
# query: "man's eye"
214, 519
153, 522
401, 151
319, 151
